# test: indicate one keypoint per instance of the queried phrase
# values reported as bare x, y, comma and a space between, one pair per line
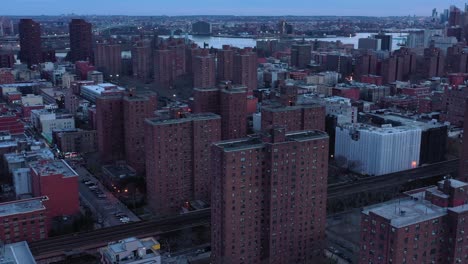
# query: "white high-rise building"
378, 150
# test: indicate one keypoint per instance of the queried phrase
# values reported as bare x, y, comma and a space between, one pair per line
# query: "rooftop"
52, 167
119, 171
17, 253
245, 143
28, 156
384, 130
188, 118
233, 89
102, 88
306, 135
277, 107
147, 248
407, 211
21, 206
407, 121
256, 142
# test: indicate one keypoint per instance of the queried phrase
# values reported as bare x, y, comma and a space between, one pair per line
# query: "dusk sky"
236, 7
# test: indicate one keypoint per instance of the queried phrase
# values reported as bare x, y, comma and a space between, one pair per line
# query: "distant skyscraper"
301, 55
341, 63
108, 59
386, 41
142, 60
269, 198
434, 62
204, 70
245, 69
137, 107
454, 16
225, 63
370, 44
30, 42
201, 28
367, 64
81, 39
178, 159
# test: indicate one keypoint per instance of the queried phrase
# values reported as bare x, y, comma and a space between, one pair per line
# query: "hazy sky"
229, 7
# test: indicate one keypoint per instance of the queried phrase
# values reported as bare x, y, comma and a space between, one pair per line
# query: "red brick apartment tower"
233, 110
58, 181
427, 226
294, 118
191, 52
225, 66
30, 42
110, 128
177, 47
261, 183
135, 109
24, 220
163, 67
206, 100
178, 159
109, 58
245, 69
81, 40
463, 170
142, 60
204, 70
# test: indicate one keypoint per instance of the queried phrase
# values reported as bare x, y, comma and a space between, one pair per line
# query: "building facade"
110, 129
24, 220
59, 182
427, 226
108, 59
135, 109
178, 159
30, 42
261, 183
81, 41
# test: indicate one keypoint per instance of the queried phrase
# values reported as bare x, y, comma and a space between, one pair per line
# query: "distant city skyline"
239, 7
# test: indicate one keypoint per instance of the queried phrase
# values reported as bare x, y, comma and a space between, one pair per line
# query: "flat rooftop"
125, 248
119, 170
102, 88
17, 253
257, 142
188, 118
407, 121
28, 156
407, 211
245, 143
52, 167
306, 135
21, 206
380, 130
234, 89
277, 107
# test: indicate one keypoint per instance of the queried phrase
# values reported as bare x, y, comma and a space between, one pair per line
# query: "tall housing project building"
269, 198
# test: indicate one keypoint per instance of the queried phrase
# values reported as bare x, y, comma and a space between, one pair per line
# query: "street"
105, 209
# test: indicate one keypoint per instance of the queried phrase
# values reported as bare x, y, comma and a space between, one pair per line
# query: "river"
218, 42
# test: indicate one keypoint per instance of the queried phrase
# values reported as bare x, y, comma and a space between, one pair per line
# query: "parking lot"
109, 211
